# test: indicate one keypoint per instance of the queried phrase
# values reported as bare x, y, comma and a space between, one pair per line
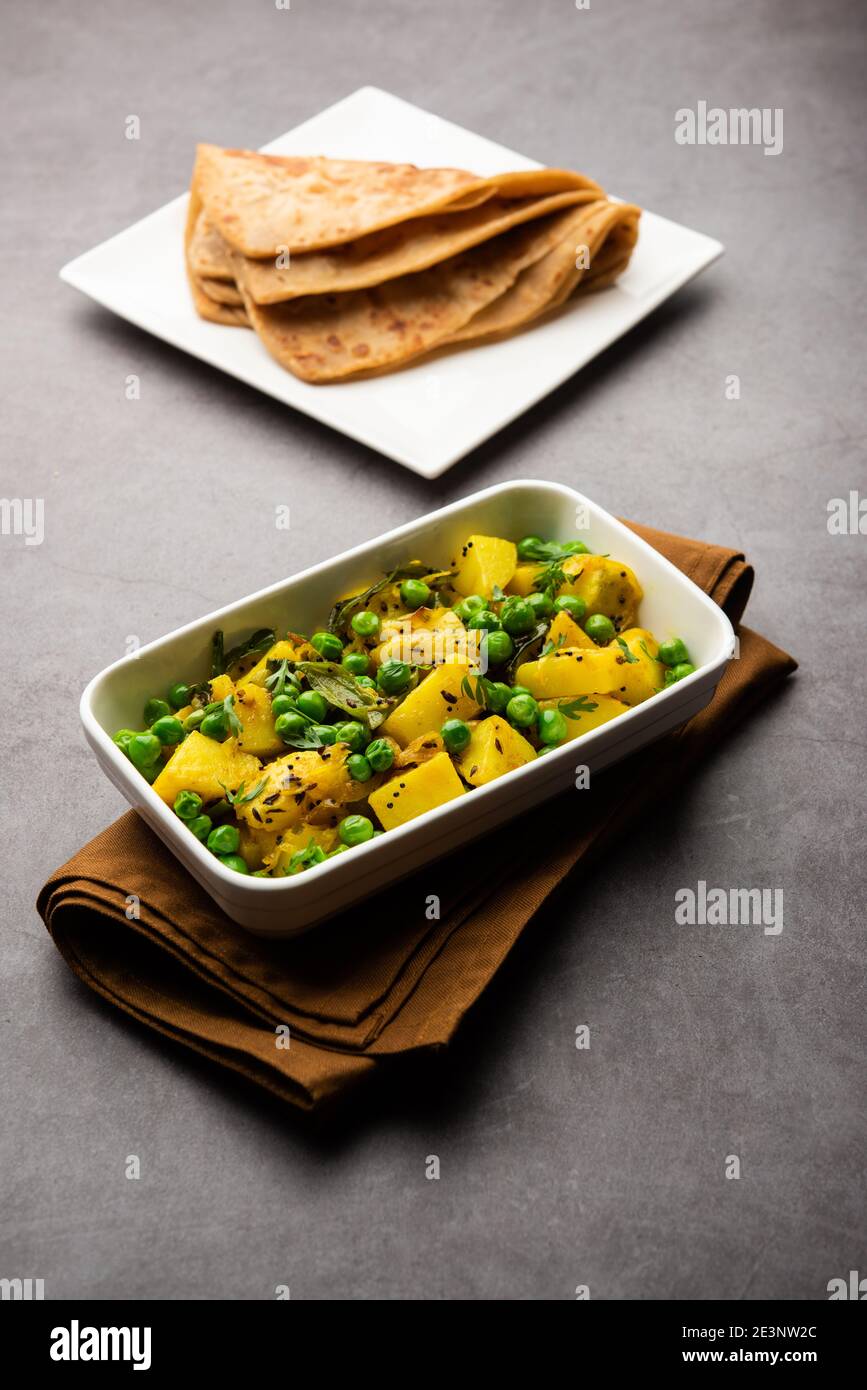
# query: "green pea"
224, 840
326, 733
150, 774
187, 805
143, 750
314, 705
499, 647
673, 652
456, 735
215, 725
552, 726
571, 604
521, 690
600, 628
193, 720
474, 603
380, 754
497, 696
154, 710
359, 768
367, 681
200, 826
353, 732
517, 616
179, 695
328, 646
234, 861
354, 830
168, 730
122, 738
542, 606
282, 704
393, 677
483, 620
414, 593
529, 547
290, 725
356, 663
522, 710
366, 624
677, 673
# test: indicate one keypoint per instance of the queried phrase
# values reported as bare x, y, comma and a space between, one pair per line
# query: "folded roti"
261, 203
330, 337
400, 250
608, 232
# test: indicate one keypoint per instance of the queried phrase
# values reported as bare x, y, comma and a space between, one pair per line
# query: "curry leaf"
344, 611
339, 688
526, 648
218, 664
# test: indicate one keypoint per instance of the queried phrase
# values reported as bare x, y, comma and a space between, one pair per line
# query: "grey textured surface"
559, 1167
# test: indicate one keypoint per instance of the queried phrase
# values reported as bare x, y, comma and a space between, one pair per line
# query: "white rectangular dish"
672, 605
429, 415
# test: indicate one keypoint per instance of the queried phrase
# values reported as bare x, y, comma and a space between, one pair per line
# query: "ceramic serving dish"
672, 605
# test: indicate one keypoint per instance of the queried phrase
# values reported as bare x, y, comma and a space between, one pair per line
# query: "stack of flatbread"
348, 268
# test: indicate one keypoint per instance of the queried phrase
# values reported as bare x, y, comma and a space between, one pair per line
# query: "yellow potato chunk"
307, 784
644, 675
427, 637
202, 765
439, 697
485, 561
606, 586
221, 686
565, 632
410, 794
581, 721
523, 579
253, 708
494, 748
571, 671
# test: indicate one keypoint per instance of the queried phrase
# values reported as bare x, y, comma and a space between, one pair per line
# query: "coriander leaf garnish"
542, 552
550, 579
627, 654
573, 709
235, 725
240, 797
278, 678
305, 858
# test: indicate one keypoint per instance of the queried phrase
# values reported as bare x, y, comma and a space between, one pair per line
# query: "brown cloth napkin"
383, 979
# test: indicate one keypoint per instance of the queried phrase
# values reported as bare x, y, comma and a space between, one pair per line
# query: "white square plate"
430, 415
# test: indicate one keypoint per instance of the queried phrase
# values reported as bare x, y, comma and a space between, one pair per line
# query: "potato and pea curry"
420, 688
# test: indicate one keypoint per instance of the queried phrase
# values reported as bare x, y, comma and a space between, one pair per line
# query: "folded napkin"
382, 979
